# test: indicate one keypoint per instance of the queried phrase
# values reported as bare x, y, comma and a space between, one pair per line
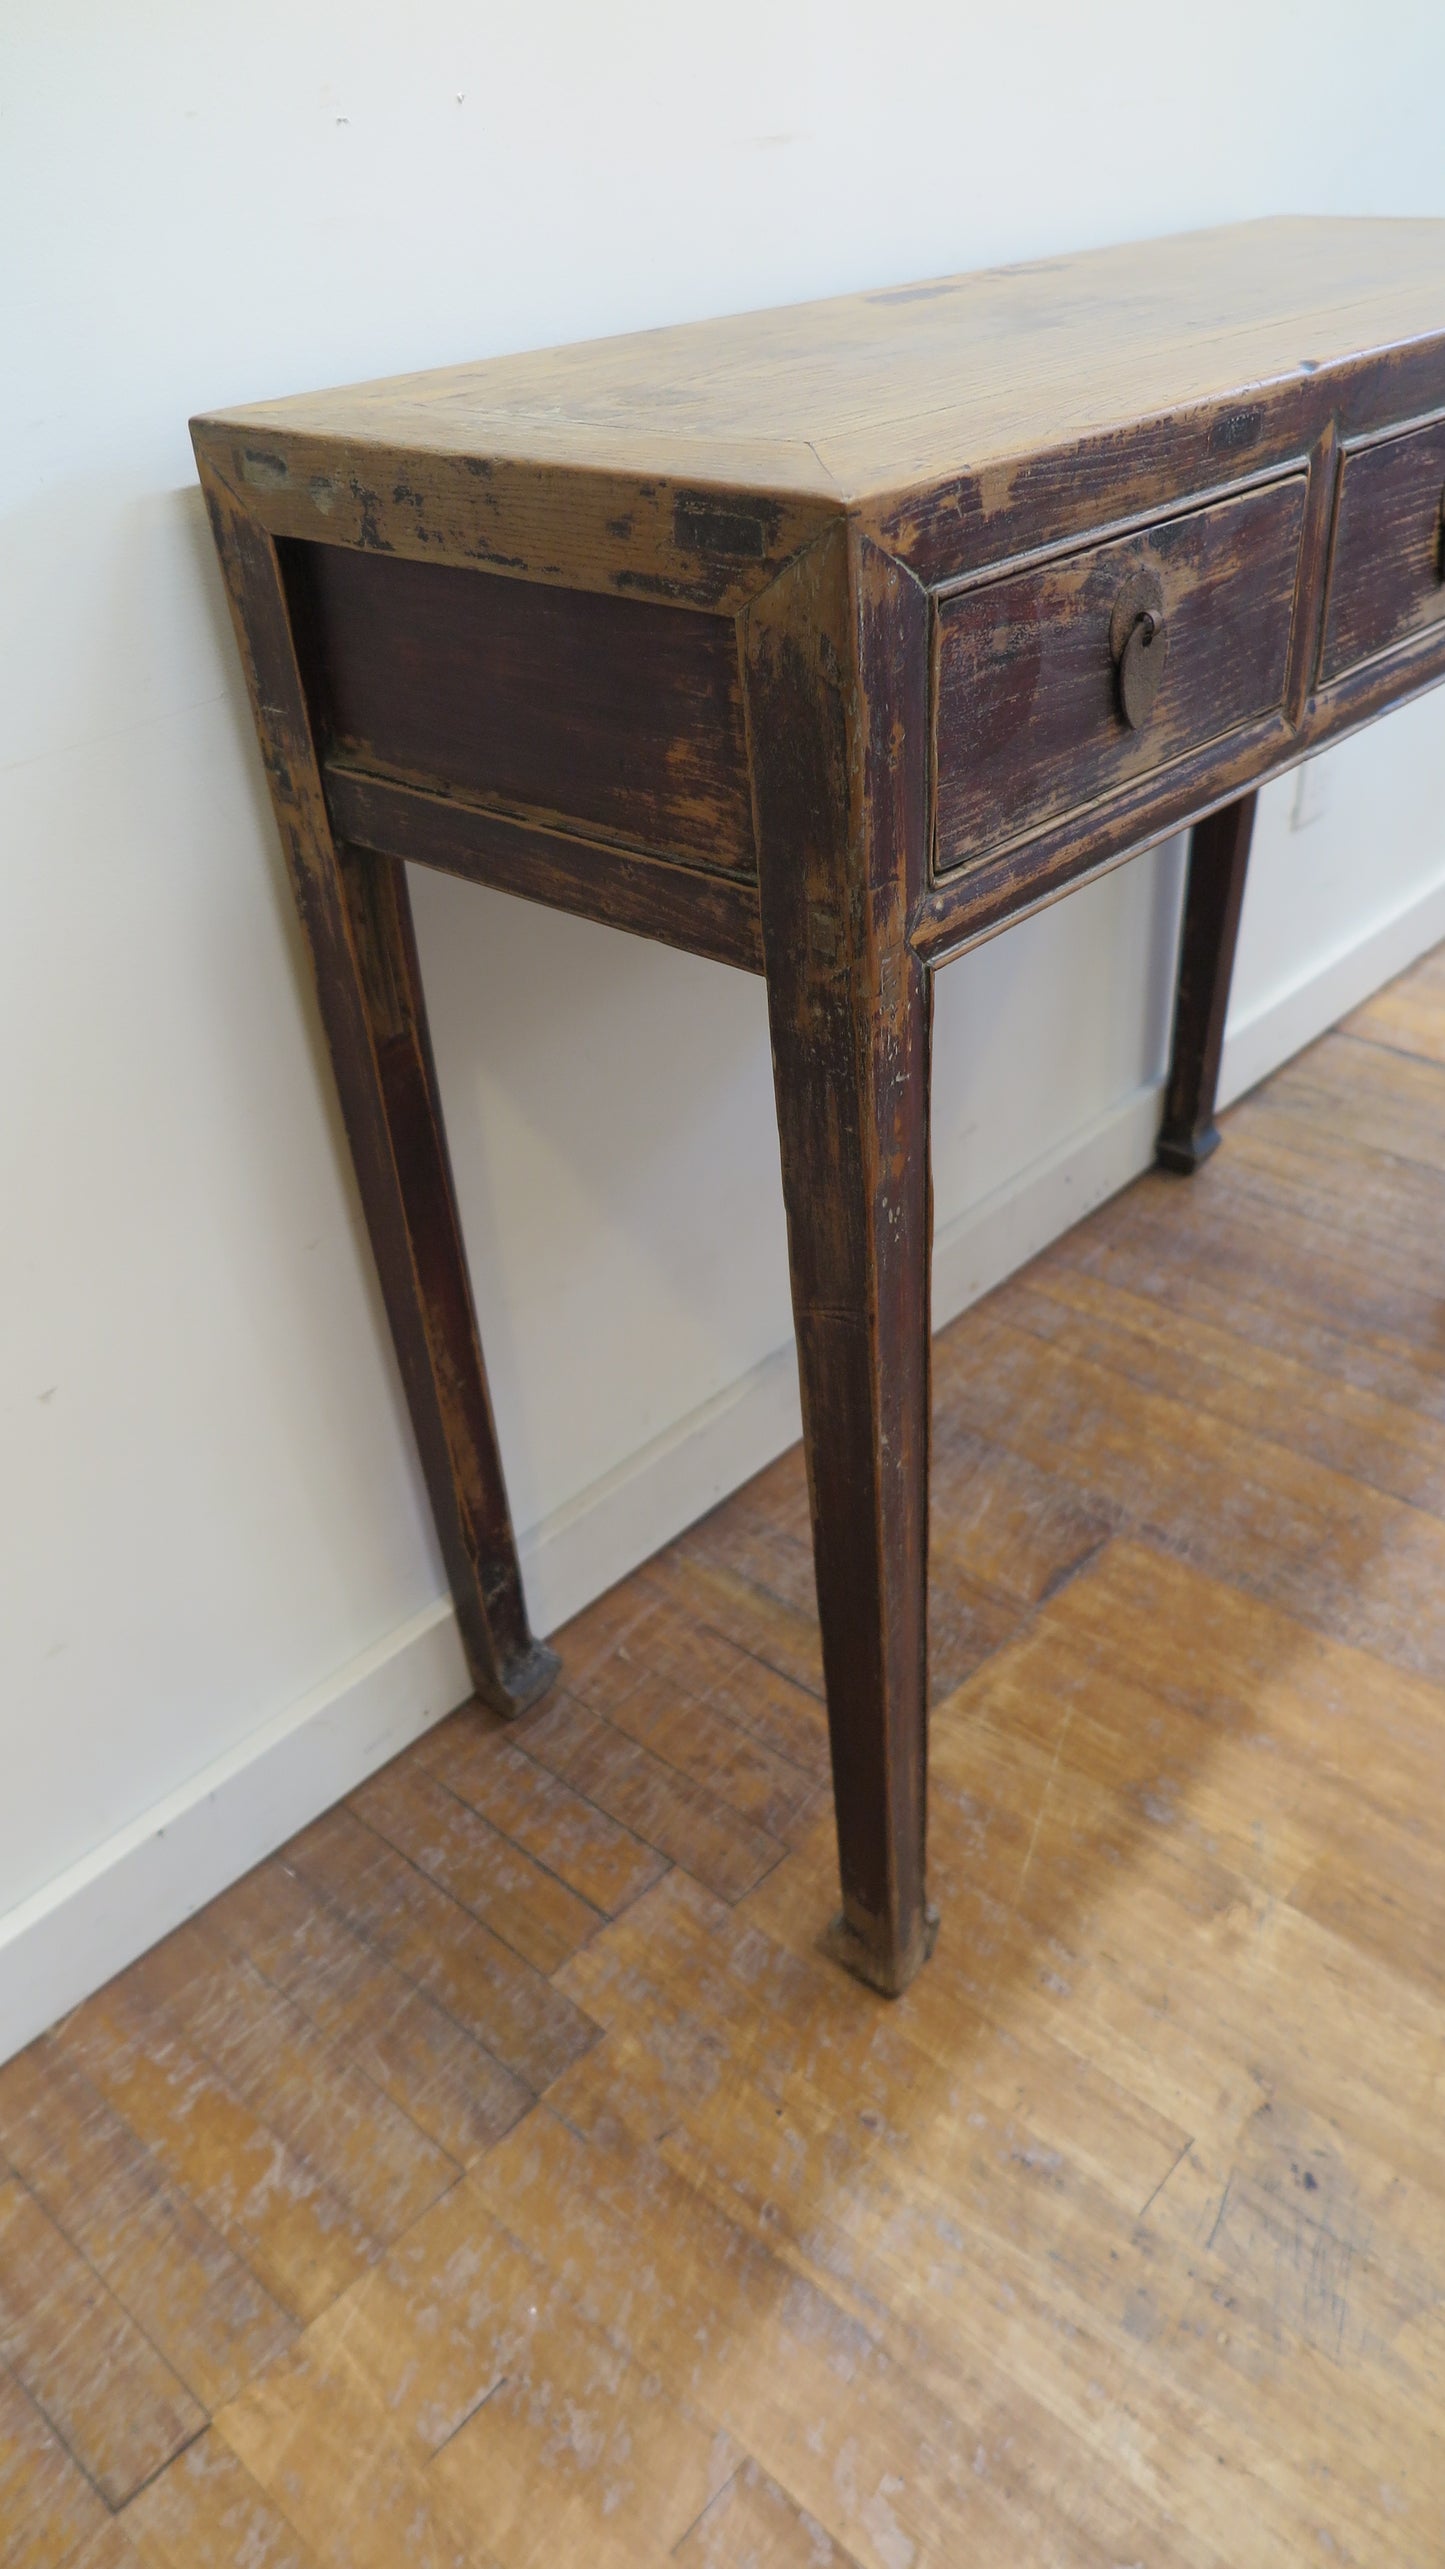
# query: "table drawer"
1030, 722
1387, 567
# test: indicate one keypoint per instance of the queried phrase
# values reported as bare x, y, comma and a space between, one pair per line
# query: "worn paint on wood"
1029, 714
618, 716
1387, 568
805, 641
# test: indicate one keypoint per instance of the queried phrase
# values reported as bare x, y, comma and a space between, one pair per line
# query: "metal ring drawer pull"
1139, 641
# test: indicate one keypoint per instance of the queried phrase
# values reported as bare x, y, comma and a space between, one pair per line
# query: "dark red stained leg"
356, 920
1218, 864
837, 675
507, 1665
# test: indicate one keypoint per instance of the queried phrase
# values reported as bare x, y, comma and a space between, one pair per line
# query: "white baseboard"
97, 1916
118, 1900
1292, 1017
584, 1548
999, 1234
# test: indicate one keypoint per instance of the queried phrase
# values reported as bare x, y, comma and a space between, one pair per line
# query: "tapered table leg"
355, 917
837, 663
1218, 865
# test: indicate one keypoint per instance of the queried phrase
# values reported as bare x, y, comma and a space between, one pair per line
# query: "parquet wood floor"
498, 2178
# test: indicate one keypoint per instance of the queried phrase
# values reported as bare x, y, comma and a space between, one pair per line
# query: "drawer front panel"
617, 716
1387, 571
1030, 724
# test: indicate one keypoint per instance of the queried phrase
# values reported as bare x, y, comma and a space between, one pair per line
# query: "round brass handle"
1139, 641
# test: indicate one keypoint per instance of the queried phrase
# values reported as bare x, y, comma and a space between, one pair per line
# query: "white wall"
222, 1600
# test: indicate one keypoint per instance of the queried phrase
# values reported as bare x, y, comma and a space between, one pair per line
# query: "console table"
826, 642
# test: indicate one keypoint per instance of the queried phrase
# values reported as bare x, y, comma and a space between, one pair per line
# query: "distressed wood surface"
986, 892
609, 715
962, 424
355, 917
796, 640
694, 461
1029, 719
499, 2177
704, 912
1387, 569
837, 692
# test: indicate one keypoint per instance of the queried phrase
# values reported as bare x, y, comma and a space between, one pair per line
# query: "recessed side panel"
1387, 575
616, 716
1067, 680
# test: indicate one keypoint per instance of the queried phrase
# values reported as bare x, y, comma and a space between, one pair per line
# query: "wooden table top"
870, 393
691, 463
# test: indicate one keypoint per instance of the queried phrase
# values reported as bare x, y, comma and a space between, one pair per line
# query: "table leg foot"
1183, 1153
527, 1676
887, 1968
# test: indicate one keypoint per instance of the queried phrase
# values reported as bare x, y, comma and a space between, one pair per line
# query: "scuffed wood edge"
714, 914
681, 543
981, 516
975, 900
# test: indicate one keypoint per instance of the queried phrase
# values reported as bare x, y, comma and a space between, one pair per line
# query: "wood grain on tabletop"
960, 419
498, 2176
872, 391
